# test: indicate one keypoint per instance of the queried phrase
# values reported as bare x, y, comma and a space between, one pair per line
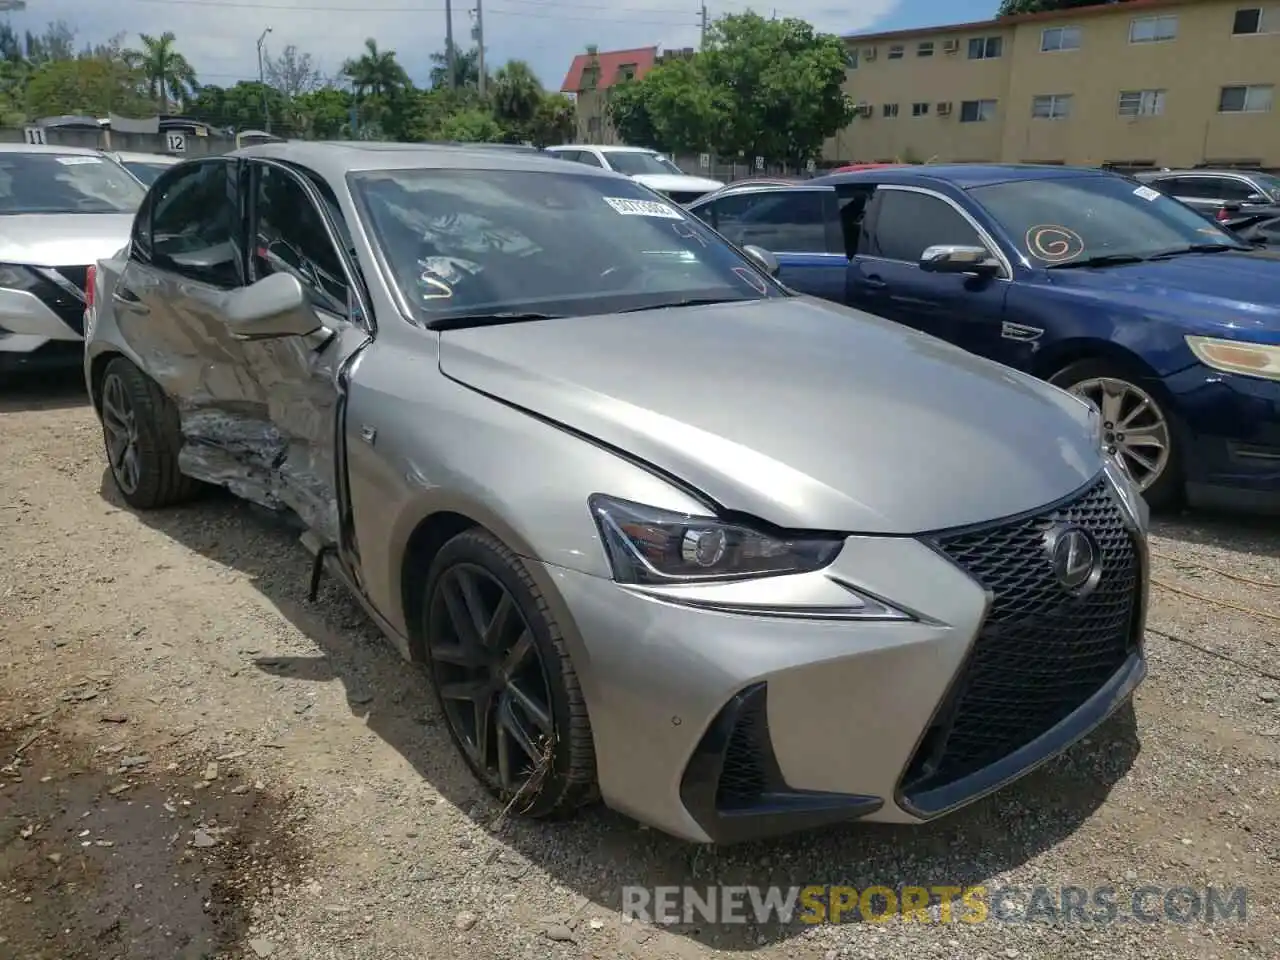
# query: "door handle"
874, 282
129, 300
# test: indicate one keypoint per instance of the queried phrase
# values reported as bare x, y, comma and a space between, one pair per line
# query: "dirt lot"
197, 762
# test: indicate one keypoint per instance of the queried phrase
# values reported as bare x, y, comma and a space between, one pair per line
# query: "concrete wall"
125, 142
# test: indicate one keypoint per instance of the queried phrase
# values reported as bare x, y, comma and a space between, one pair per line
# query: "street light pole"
262, 80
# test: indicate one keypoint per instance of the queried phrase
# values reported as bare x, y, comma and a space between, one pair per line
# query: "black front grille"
1042, 651
68, 307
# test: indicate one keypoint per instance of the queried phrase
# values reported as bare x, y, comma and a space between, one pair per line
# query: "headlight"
651, 546
1237, 356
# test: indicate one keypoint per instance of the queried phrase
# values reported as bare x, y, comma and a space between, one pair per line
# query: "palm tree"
167, 74
375, 71
516, 93
466, 68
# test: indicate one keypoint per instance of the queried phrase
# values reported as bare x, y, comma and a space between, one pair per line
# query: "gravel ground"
197, 762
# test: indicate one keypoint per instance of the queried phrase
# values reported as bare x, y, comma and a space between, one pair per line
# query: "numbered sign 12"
177, 142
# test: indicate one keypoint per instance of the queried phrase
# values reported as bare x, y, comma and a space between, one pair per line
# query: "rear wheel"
1137, 428
504, 680
142, 435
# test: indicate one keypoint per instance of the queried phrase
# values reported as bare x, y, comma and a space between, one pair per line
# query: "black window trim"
353, 276
1006, 268
176, 172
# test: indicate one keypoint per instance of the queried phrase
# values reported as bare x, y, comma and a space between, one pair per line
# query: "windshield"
635, 163
146, 171
470, 242
65, 183
1058, 220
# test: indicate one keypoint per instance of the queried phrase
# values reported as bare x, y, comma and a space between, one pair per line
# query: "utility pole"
703, 41
450, 61
479, 34
262, 81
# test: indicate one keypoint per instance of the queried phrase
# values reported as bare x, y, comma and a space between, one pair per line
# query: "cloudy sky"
219, 37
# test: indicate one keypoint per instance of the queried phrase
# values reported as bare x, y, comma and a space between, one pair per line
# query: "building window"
924, 49
1141, 103
1059, 38
1052, 106
985, 48
976, 111
1152, 29
627, 72
851, 59
889, 110
895, 52
1250, 99
920, 109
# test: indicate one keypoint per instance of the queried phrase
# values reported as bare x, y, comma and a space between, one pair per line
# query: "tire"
1167, 491
567, 777
157, 440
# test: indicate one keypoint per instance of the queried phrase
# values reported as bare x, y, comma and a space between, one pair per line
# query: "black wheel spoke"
458, 655
517, 733
535, 711
473, 690
484, 710
464, 623
518, 654
498, 623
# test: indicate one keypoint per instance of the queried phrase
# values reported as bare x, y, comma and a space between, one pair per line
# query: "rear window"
65, 183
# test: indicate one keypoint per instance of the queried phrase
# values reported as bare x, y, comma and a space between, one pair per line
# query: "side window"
1231, 189
140, 238
195, 224
853, 200
908, 222
289, 236
784, 221
589, 158
565, 154
1189, 188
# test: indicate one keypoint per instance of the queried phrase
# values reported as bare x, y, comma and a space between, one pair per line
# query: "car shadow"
42, 390
597, 853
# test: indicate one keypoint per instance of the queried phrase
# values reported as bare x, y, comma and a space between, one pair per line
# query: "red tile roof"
611, 62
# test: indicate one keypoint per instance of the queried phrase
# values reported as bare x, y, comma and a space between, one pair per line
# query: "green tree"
1009, 8
239, 107
777, 85
553, 122
323, 114
168, 75
515, 96
376, 72
685, 111
93, 86
473, 125
629, 113
466, 67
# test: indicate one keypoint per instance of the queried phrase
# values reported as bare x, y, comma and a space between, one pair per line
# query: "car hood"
62, 239
667, 182
805, 414
1221, 294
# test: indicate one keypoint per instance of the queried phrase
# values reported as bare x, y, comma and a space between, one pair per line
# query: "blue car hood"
1235, 295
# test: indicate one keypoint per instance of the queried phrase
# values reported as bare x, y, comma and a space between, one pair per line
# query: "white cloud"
219, 37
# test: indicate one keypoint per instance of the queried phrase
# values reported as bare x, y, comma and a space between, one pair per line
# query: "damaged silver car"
660, 530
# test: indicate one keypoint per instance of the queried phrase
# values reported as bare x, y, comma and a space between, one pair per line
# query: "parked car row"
649, 517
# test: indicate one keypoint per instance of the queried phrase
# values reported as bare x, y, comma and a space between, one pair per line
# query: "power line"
550, 9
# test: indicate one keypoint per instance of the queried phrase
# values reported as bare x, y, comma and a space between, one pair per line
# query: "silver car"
147, 167
740, 561
61, 209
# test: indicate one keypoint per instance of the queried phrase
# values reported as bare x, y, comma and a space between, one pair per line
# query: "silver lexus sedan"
738, 561
61, 209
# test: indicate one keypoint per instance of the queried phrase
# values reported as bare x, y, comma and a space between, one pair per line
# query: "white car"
649, 167
146, 166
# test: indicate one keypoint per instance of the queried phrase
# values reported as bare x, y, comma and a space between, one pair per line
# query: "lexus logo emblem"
1075, 558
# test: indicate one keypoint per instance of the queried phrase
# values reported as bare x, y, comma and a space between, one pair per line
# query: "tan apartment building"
1149, 82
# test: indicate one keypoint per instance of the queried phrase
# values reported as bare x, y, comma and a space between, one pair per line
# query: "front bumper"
1231, 438
723, 727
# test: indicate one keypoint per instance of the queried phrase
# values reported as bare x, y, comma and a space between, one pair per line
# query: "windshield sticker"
1054, 244
753, 279
441, 274
685, 231
643, 208
1146, 193
77, 161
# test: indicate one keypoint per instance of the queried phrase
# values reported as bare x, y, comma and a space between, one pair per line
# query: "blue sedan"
1169, 324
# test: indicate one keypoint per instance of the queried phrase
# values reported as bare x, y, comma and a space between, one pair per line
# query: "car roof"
138, 156
962, 175
1199, 171
49, 148
335, 159
603, 148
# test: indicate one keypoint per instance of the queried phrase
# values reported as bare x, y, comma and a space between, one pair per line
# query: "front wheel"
504, 680
1137, 429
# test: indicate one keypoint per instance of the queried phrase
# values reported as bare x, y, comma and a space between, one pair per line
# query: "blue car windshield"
465, 242
1057, 220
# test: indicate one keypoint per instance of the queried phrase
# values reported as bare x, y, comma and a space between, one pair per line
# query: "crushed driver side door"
295, 226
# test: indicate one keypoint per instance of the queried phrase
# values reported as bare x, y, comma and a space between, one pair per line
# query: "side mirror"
977, 261
275, 306
764, 258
